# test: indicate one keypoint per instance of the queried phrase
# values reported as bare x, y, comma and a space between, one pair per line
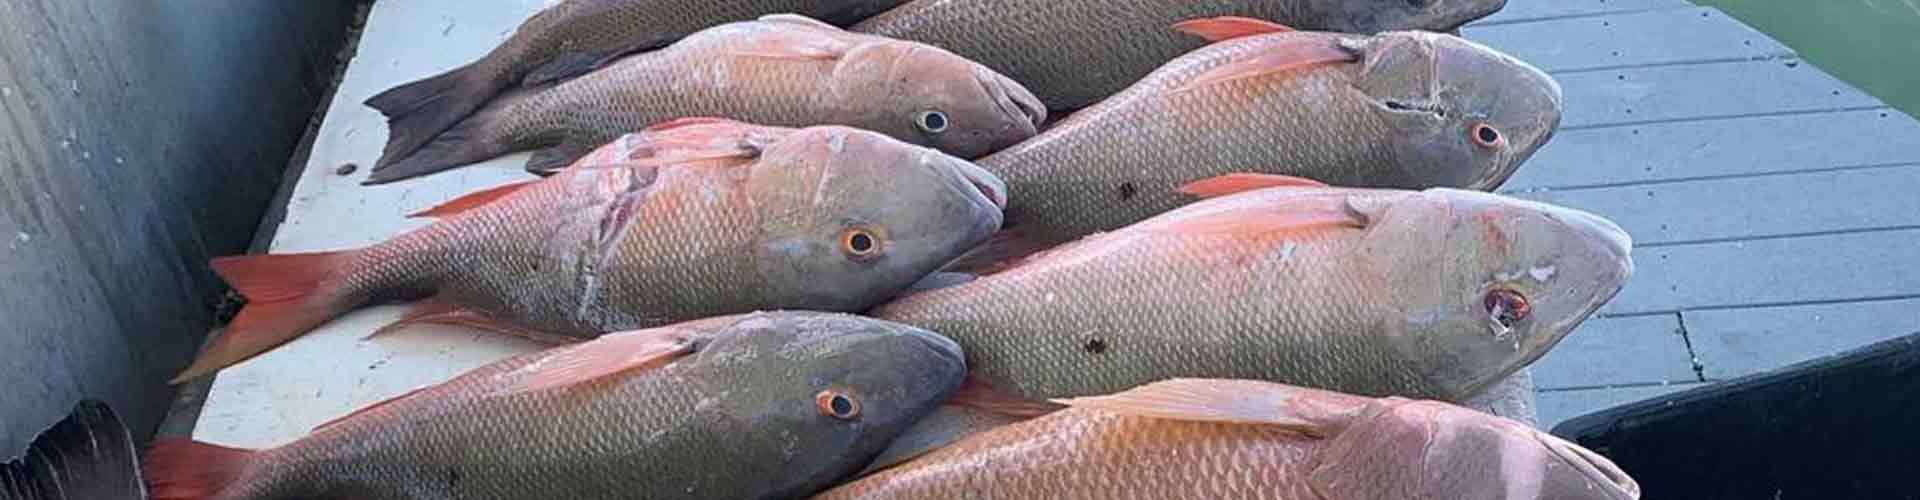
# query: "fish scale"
1124, 159
1073, 53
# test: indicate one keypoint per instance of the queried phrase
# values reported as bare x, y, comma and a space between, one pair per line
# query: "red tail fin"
184, 469
279, 291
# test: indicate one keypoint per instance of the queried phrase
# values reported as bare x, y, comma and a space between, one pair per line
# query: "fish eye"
1487, 136
836, 404
860, 243
932, 121
1507, 307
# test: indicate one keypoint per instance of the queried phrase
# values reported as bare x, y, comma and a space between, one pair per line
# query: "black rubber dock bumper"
1844, 426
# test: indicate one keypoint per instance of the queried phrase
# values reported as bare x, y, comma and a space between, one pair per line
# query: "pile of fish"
836, 248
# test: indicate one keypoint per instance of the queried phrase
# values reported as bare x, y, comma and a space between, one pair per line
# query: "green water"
1873, 44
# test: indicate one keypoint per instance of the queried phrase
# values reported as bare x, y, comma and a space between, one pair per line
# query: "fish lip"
939, 344
989, 185
1015, 101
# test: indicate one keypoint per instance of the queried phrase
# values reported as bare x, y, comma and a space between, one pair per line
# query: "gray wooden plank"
1784, 271
1526, 10
1693, 91
1738, 342
1559, 406
1761, 206
1709, 148
1630, 39
1618, 351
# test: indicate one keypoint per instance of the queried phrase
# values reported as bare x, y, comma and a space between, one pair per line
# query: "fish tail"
282, 303
471, 139
418, 111
184, 469
87, 455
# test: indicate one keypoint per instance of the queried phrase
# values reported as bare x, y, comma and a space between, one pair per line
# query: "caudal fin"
183, 469
281, 304
420, 110
87, 455
416, 146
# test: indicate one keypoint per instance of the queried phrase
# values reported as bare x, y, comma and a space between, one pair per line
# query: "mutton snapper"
782, 70
698, 218
758, 406
1408, 110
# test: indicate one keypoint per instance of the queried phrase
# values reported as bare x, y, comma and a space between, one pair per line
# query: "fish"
1251, 440
1073, 53
762, 405
695, 218
88, 455
1407, 110
781, 70
1432, 294
573, 37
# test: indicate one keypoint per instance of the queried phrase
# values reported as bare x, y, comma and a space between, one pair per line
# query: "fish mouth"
986, 183
1592, 466
945, 348
1018, 104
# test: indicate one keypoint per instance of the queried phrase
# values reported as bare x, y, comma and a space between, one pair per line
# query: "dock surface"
1772, 206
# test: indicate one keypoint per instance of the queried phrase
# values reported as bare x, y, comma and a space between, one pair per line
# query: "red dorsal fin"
1283, 56
796, 44
473, 200
364, 409
689, 121
1268, 215
979, 395
1307, 411
1220, 29
1223, 185
609, 355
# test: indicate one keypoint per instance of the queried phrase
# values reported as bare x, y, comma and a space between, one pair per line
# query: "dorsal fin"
976, 394
699, 141
473, 200
601, 358
1222, 185
1293, 53
1220, 29
805, 45
688, 121
1268, 215
1307, 411
797, 19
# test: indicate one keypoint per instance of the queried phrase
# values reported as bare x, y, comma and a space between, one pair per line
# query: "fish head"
929, 96
1374, 16
1482, 284
850, 217
1429, 449
1463, 115
833, 389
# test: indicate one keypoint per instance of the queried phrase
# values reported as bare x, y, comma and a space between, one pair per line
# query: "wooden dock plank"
1532, 10
1560, 406
1711, 148
1739, 342
1630, 39
1750, 207
1618, 351
1786, 271
1695, 91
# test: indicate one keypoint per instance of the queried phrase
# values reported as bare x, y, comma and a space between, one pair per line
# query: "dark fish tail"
470, 140
419, 111
89, 455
